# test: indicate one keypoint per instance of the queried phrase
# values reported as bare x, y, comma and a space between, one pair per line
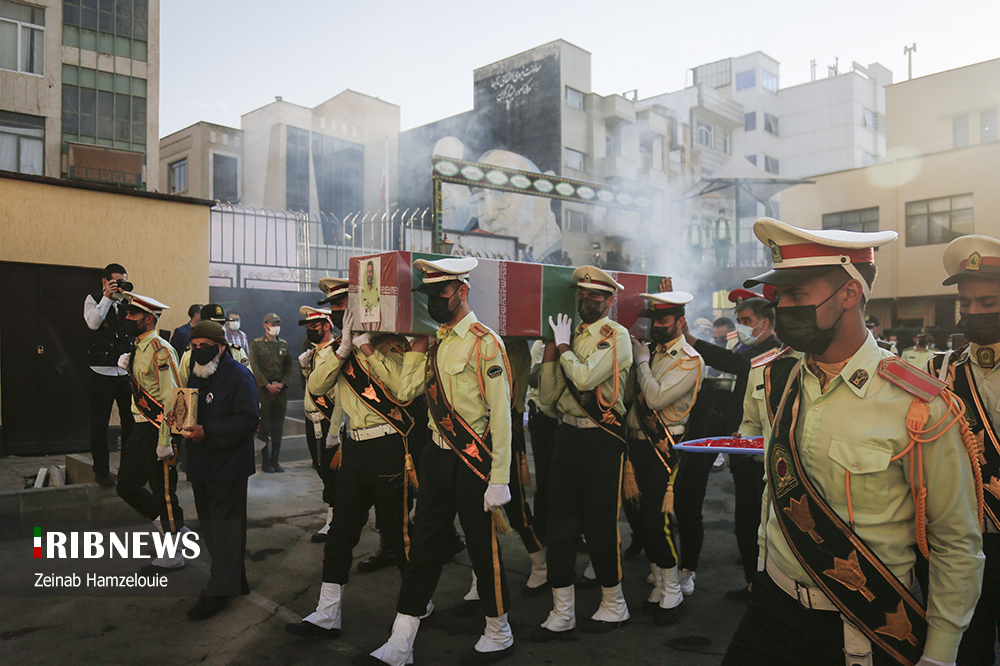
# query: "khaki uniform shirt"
856, 427
388, 355
270, 361
155, 370
914, 356
460, 373
669, 382
537, 353
184, 367
589, 364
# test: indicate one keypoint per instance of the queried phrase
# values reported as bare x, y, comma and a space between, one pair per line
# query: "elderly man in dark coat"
220, 459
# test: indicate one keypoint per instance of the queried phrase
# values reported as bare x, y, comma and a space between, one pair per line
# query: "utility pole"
908, 52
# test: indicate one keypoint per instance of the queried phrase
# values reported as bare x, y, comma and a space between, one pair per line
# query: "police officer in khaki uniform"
867, 463
973, 372
586, 383
466, 467
662, 389
148, 456
272, 370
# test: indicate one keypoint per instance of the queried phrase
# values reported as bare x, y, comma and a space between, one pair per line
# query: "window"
770, 124
297, 170
574, 159
750, 121
869, 116
706, 174
865, 219
705, 135
988, 126
576, 221
771, 165
769, 81
225, 178
178, 176
103, 108
935, 221
575, 98
22, 143
960, 130
22, 37
747, 79
752, 159
726, 144
339, 167
870, 159
115, 27
613, 142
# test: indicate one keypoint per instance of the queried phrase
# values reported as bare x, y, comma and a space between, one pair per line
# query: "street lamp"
444, 247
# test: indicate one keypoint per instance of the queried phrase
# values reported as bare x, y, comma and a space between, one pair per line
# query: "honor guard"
375, 466
920, 353
211, 312
148, 455
272, 370
973, 263
465, 469
322, 410
867, 463
586, 383
663, 386
873, 324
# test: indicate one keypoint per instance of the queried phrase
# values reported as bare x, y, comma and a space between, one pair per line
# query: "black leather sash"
375, 397
833, 555
474, 451
982, 427
148, 406
656, 432
609, 421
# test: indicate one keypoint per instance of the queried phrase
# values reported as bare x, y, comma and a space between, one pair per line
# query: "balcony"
718, 108
615, 166
653, 123
616, 109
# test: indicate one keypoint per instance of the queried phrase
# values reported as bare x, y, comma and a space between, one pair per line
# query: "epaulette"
910, 378
768, 356
236, 347
479, 330
689, 350
607, 331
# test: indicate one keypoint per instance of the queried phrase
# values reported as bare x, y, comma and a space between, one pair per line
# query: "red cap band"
807, 250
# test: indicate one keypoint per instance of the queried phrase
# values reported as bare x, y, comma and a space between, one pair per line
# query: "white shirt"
94, 314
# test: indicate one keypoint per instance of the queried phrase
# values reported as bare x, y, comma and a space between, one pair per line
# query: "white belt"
675, 430
362, 434
439, 440
812, 597
577, 422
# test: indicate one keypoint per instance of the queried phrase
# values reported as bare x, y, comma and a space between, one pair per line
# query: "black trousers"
542, 429
272, 422
321, 458
104, 392
518, 511
978, 643
371, 473
748, 476
652, 478
689, 495
139, 467
448, 486
585, 496
222, 523
778, 631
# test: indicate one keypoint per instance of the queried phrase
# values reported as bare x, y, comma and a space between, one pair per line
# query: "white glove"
305, 357
346, 335
361, 340
640, 352
164, 452
332, 441
927, 661
497, 494
561, 329
123, 362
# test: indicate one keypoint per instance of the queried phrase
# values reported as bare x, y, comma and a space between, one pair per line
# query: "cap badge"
975, 262
586, 277
775, 251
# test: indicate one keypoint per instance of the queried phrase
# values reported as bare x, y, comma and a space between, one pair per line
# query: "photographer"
107, 382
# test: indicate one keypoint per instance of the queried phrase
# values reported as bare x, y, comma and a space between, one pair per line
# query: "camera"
123, 284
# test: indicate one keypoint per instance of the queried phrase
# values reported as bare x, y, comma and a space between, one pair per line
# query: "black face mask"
662, 334
338, 318
439, 308
982, 328
796, 326
204, 355
590, 311
314, 335
130, 327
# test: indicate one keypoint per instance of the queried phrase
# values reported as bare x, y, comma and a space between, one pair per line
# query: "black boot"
265, 460
275, 450
381, 559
